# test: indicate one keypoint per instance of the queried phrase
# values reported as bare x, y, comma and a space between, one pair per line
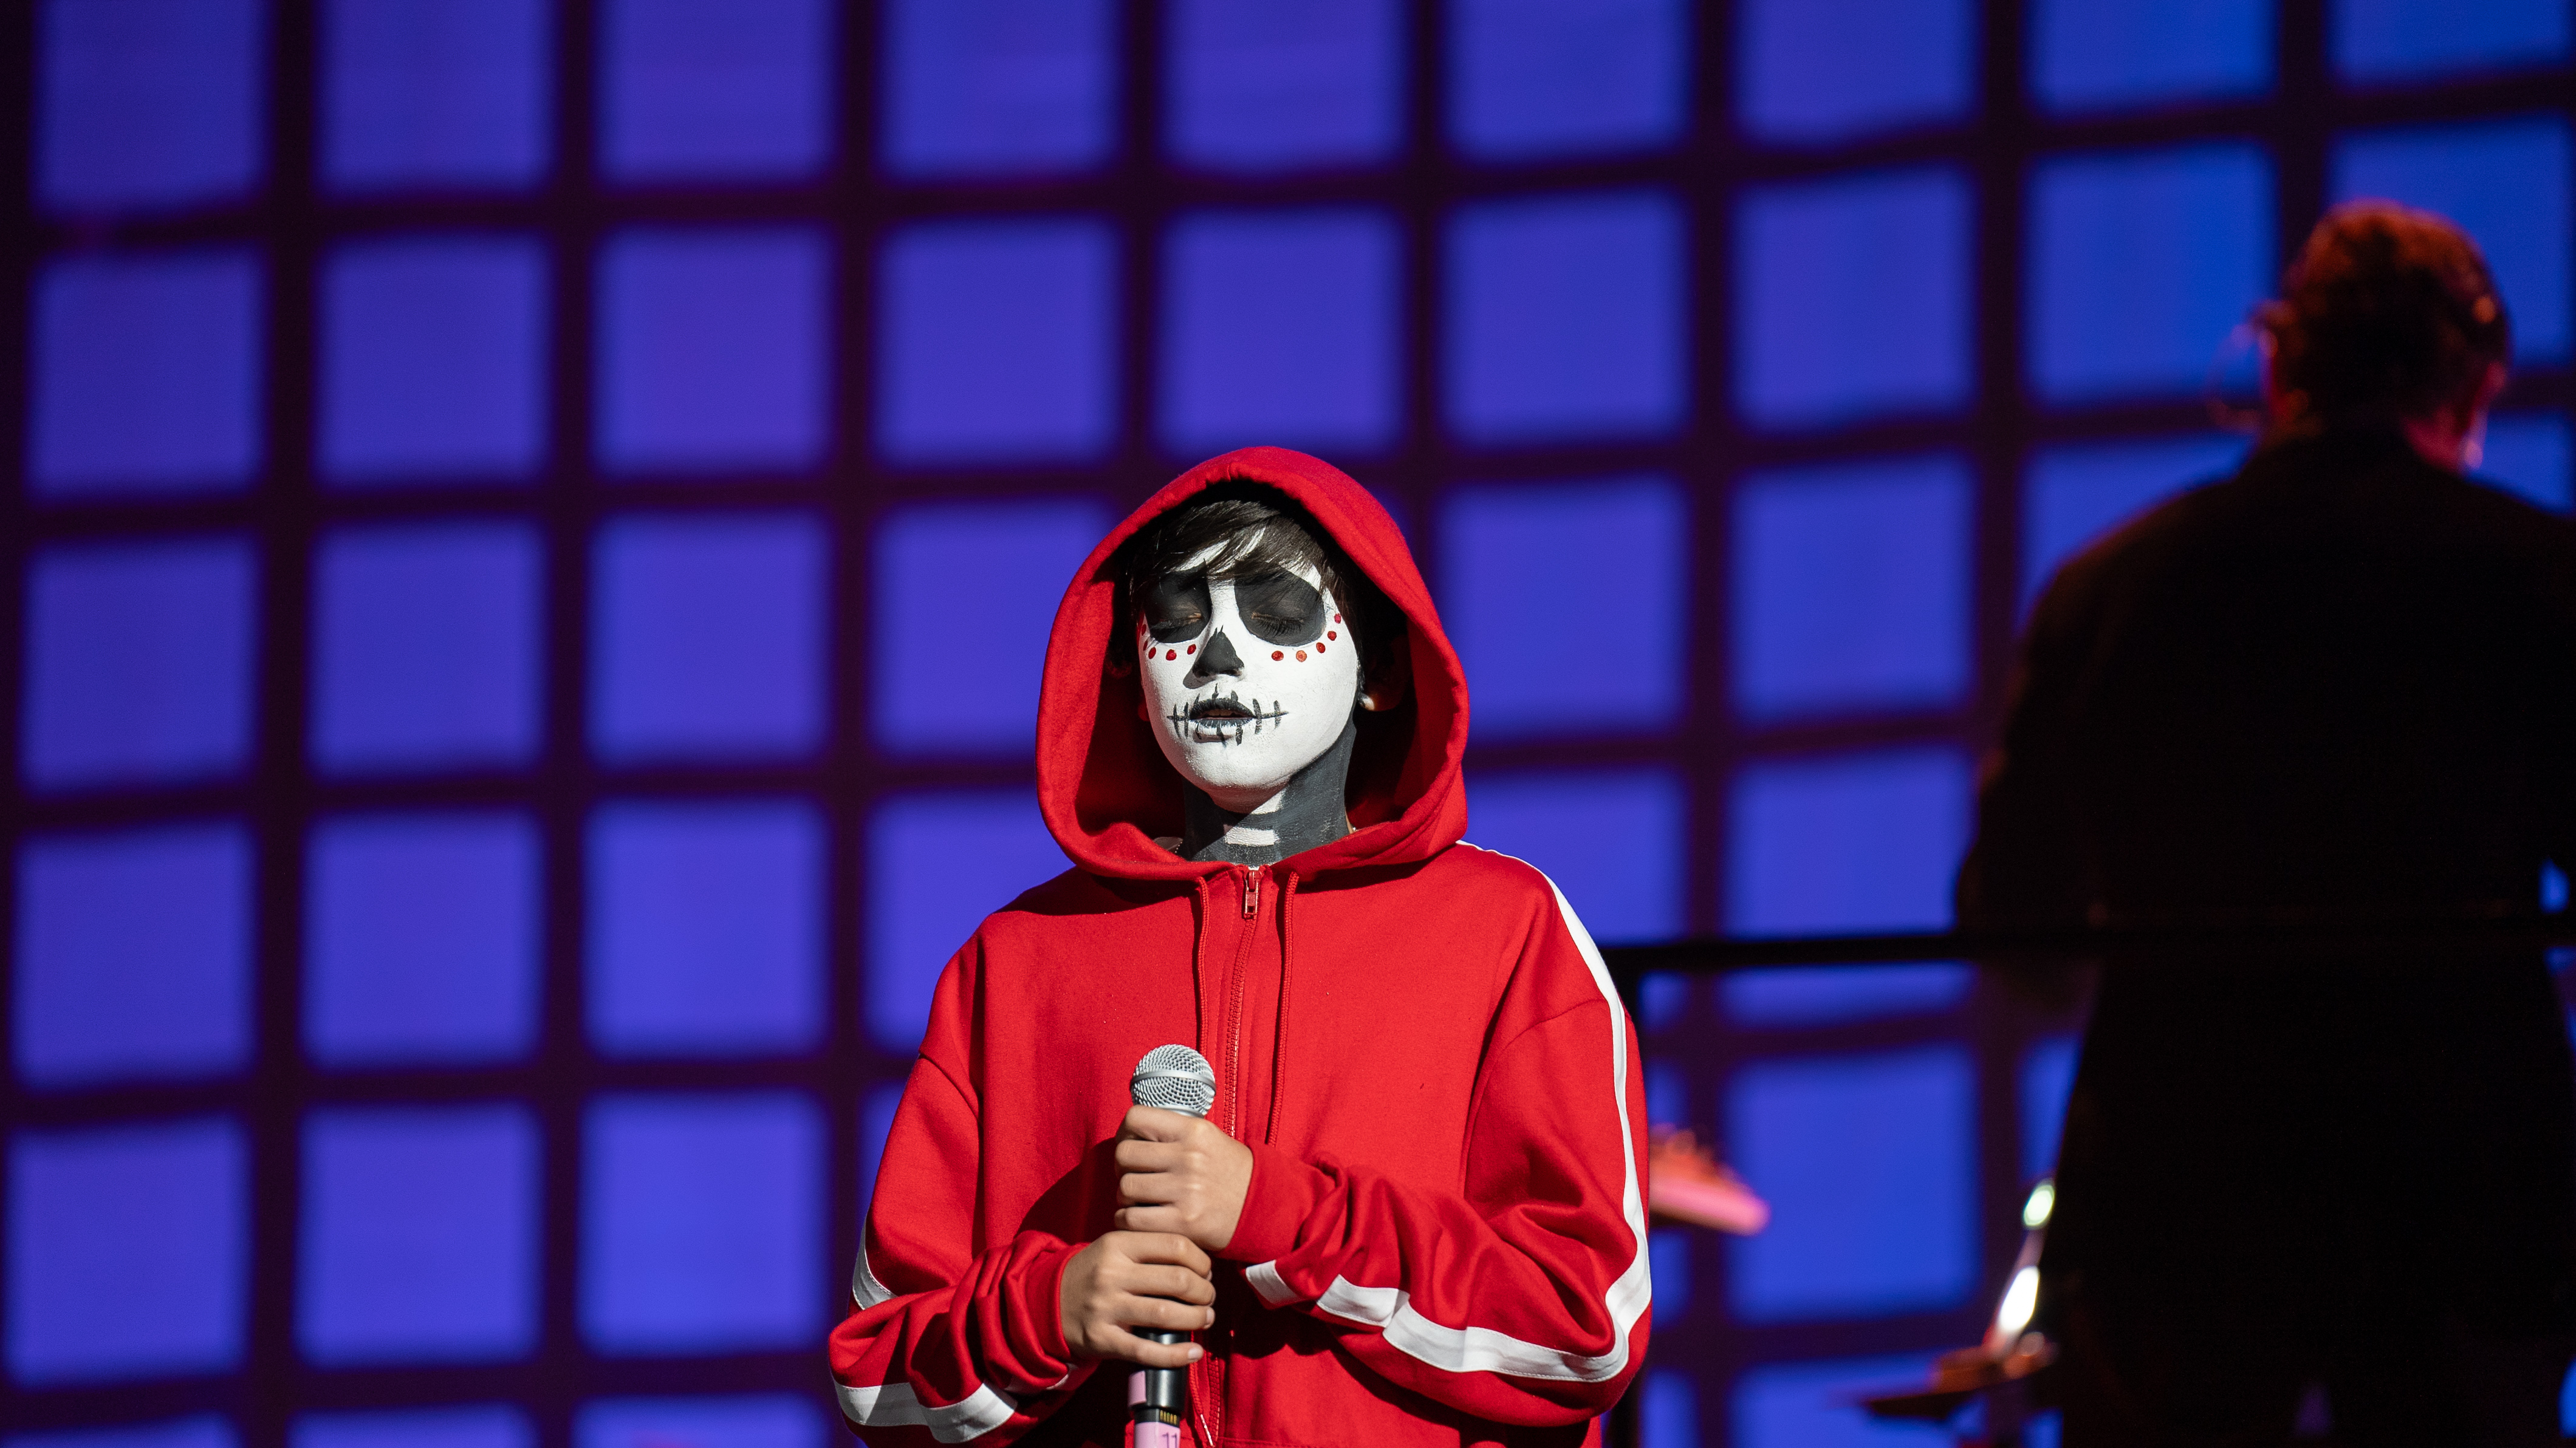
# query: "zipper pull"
1251, 893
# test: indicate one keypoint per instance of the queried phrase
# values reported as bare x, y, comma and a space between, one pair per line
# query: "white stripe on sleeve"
895, 1405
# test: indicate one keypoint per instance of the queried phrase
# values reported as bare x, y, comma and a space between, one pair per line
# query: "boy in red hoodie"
1415, 1214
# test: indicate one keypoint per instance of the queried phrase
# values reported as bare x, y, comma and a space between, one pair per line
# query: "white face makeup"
1247, 680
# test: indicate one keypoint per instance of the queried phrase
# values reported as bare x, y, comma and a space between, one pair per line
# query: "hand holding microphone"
1136, 1293
1177, 1171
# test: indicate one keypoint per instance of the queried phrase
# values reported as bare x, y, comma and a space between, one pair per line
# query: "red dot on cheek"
1319, 648
1274, 653
1328, 633
1301, 656
1194, 648
1169, 654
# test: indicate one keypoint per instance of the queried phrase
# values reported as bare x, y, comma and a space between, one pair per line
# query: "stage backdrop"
534, 524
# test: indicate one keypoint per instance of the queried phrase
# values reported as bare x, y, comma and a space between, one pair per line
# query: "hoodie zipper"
1215, 1384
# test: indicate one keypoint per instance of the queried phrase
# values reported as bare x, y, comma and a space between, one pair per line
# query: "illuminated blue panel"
1663, 997
1852, 299
418, 1236
1279, 85
963, 598
998, 87
126, 1251
436, 94
1280, 327
997, 342
1667, 1095
1668, 1409
1611, 840
433, 360
148, 103
2140, 264
146, 375
426, 647
2073, 495
2102, 55
138, 662
715, 89
1530, 79
2505, 182
876, 1122
206, 1431
1814, 72
706, 929
2047, 1076
707, 636
1850, 843
133, 955
1816, 1405
1564, 319
1598, 649
1668, 1260
701, 1223
2527, 453
2396, 40
421, 938
1809, 997
495, 1426
937, 865
769, 1421
1869, 1163
711, 350
1851, 588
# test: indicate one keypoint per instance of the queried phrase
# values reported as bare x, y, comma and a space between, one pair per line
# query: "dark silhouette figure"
2338, 687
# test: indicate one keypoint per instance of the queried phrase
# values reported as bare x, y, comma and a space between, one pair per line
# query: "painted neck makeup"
1309, 812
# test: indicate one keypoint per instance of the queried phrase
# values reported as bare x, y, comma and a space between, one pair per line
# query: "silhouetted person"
2338, 687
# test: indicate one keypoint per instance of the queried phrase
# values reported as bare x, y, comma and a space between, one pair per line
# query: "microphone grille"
1174, 1078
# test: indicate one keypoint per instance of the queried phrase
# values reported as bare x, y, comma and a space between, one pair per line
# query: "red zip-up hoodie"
1444, 1238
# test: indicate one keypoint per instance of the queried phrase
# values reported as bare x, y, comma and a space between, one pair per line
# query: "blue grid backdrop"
536, 522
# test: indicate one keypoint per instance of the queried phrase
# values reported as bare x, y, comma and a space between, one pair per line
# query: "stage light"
2021, 1299
2043, 1200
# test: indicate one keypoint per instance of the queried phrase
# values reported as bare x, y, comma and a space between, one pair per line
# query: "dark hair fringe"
1256, 529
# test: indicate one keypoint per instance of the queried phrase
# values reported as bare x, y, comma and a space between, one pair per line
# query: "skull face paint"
1246, 680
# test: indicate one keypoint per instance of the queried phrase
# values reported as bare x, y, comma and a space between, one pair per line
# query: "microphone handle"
1157, 1398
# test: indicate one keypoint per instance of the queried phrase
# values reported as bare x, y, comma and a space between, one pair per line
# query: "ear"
1388, 678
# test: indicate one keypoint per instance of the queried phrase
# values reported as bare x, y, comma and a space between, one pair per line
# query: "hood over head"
1103, 784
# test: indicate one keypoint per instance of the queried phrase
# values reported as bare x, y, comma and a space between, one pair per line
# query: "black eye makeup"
1280, 608
1176, 609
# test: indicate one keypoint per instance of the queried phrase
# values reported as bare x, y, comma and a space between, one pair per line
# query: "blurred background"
536, 521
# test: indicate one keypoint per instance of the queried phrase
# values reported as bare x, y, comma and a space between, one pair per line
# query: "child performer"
1414, 1215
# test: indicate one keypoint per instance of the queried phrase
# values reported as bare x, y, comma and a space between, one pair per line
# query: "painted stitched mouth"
1223, 716
1225, 708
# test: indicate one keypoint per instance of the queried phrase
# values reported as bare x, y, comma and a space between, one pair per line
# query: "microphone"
1174, 1078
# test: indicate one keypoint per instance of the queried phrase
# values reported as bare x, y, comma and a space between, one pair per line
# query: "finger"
1150, 1188
1184, 1253
1153, 1123
1143, 1313
1178, 1284
1128, 1347
1147, 1156
1164, 1246
1152, 1219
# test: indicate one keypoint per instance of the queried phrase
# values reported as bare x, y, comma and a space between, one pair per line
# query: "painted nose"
1214, 657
